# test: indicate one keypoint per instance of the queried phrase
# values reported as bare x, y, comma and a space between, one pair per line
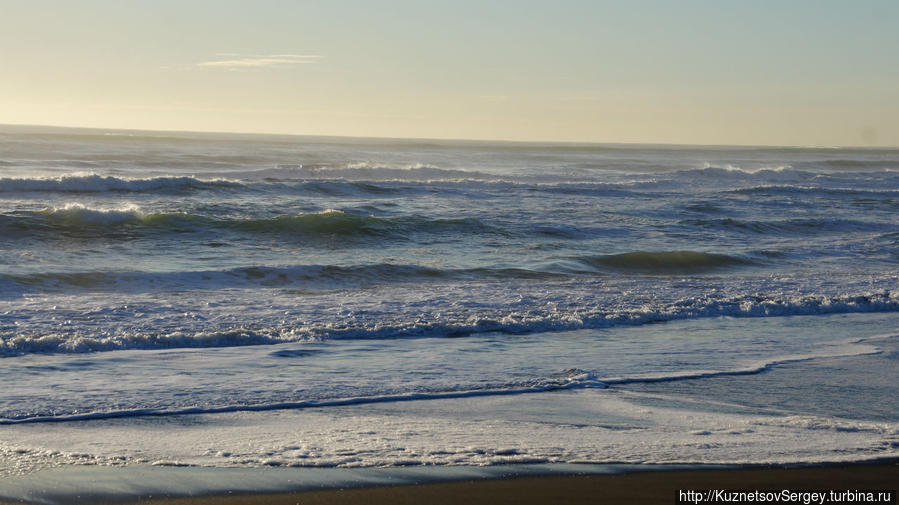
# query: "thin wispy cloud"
269, 60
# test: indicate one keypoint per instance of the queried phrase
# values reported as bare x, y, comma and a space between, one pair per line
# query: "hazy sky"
749, 72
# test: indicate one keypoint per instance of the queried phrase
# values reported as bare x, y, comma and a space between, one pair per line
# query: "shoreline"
638, 488
537, 484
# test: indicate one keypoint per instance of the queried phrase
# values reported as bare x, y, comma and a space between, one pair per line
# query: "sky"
822, 73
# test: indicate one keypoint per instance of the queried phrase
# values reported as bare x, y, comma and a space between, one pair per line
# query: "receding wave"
82, 220
664, 262
572, 378
851, 348
92, 183
568, 379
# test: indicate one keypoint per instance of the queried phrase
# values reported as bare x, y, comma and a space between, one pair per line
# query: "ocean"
251, 301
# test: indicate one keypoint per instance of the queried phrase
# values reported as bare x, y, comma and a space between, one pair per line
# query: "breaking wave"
449, 324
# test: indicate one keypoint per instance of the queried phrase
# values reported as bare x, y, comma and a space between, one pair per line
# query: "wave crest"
93, 183
78, 214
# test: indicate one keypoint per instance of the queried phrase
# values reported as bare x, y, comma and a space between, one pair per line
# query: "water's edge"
75, 485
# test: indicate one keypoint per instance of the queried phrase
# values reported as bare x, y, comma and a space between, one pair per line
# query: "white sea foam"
81, 214
437, 310
610, 429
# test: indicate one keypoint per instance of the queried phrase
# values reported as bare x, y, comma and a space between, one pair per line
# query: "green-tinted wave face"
670, 262
341, 223
76, 219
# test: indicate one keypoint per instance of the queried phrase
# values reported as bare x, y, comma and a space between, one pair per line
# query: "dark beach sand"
649, 487
634, 488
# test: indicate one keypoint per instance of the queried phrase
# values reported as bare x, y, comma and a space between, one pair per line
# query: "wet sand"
633, 488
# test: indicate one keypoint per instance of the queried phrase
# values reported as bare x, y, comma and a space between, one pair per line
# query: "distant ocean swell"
83, 220
96, 183
381, 182
331, 186
330, 183
92, 183
314, 277
534, 319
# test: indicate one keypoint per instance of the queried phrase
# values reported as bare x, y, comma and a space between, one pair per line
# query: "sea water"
247, 301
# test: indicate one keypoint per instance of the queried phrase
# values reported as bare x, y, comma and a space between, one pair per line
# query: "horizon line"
459, 139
